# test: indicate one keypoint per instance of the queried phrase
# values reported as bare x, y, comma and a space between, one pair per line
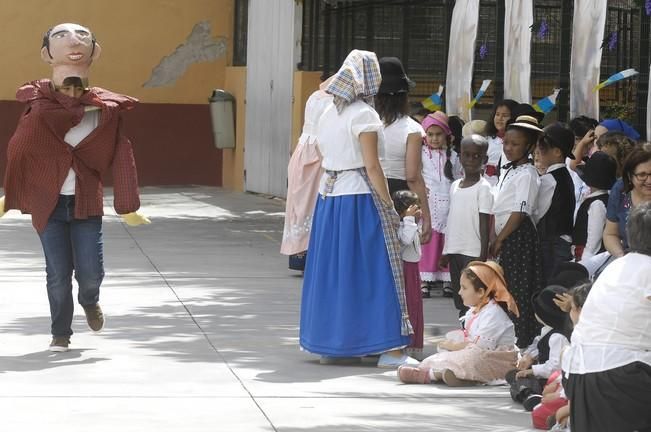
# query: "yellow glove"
2, 206
135, 219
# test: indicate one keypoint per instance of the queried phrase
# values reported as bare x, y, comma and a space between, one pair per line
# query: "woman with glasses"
632, 190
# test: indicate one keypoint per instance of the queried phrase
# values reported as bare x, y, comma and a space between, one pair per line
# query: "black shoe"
424, 291
530, 403
447, 291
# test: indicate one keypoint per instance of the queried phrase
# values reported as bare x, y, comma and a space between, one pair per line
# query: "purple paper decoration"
647, 5
543, 29
483, 51
612, 40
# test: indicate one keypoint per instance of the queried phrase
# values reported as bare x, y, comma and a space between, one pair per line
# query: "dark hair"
447, 169
46, 41
638, 229
491, 130
456, 126
623, 147
639, 155
391, 107
580, 294
403, 199
581, 125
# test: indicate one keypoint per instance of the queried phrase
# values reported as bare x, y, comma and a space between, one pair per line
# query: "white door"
271, 49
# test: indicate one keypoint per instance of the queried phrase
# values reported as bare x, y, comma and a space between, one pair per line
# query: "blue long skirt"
349, 305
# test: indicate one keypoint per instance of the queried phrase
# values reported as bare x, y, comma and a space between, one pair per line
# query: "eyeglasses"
642, 176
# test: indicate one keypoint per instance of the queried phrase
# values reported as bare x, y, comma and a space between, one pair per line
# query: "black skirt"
614, 400
396, 185
521, 261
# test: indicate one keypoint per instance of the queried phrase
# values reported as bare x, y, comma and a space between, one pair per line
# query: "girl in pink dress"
438, 160
303, 175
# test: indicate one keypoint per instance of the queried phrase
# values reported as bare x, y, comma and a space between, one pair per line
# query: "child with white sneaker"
485, 350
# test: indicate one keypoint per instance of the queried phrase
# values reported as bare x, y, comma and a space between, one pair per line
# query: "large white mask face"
71, 51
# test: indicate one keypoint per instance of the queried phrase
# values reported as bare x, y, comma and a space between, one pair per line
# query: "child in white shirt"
471, 201
484, 351
543, 356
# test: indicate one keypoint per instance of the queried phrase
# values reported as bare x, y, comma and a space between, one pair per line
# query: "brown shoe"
59, 344
94, 317
451, 380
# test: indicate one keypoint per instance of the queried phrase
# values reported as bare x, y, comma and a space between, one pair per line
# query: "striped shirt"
38, 158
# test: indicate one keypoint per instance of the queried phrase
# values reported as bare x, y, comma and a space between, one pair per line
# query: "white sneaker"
388, 361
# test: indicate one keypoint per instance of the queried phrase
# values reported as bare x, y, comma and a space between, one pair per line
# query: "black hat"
570, 275
547, 311
600, 171
394, 78
526, 109
559, 136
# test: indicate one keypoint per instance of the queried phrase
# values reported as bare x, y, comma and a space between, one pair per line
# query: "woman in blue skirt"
353, 301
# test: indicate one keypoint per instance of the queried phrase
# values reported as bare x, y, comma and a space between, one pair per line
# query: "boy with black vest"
556, 200
599, 174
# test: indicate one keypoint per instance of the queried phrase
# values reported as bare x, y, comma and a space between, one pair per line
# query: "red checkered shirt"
38, 158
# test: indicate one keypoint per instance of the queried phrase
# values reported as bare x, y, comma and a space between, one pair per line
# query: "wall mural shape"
199, 47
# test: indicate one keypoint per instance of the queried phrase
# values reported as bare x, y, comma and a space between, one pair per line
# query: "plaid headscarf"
358, 78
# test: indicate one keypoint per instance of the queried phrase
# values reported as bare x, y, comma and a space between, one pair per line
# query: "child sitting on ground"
553, 408
408, 207
485, 350
543, 356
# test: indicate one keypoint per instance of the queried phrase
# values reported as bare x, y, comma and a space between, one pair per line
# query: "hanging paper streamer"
648, 104
588, 26
518, 22
616, 77
461, 58
547, 103
434, 102
480, 93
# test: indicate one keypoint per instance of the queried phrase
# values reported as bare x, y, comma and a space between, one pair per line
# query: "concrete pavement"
202, 335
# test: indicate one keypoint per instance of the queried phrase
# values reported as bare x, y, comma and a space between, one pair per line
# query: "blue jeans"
68, 244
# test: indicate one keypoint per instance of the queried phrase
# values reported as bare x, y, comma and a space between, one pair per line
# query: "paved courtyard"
202, 335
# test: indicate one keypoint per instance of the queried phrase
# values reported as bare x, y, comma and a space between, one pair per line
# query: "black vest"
559, 219
543, 346
580, 235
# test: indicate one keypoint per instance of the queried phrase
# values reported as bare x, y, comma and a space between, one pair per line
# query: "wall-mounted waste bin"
222, 108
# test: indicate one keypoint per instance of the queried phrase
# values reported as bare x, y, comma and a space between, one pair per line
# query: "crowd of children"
519, 213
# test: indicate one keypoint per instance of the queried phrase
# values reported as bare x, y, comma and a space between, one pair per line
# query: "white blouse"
615, 324
557, 343
395, 138
314, 107
491, 328
437, 184
338, 141
517, 191
73, 137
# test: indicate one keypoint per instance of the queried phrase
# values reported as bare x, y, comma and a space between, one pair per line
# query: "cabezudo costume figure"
67, 138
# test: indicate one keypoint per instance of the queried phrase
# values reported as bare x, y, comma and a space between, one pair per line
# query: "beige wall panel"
135, 36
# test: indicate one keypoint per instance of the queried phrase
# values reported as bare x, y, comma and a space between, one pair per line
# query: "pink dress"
303, 175
438, 198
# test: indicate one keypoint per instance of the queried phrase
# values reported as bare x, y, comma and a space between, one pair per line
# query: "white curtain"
463, 33
648, 110
518, 20
587, 36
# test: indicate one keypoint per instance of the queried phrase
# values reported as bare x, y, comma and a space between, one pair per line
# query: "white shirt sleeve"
556, 344
414, 127
366, 120
545, 194
526, 190
596, 224
485, 198
408, 230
